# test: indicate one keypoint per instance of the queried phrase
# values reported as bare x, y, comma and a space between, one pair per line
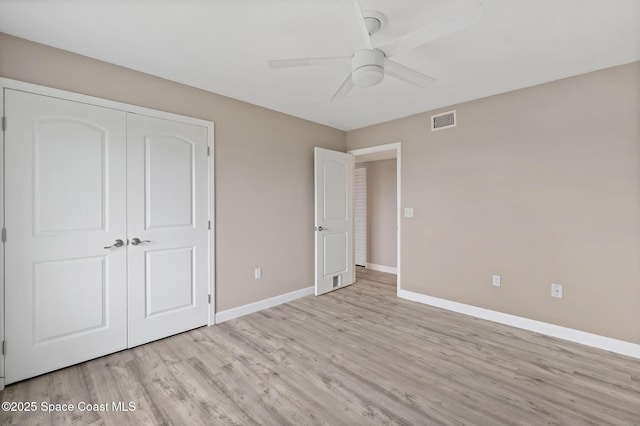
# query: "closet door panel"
167, 197
65, 201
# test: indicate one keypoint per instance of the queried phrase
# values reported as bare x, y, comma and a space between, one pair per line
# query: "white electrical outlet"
556, 291
496, 280
258, 273
408, 212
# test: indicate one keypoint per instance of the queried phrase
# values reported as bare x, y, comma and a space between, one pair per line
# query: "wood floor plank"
356, 356
304, 381
204, 387
111, 380
620, 392
405, 369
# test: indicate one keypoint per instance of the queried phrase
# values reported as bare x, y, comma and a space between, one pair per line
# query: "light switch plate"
408, 212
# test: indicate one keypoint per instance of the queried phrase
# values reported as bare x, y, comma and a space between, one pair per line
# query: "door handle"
321, 228
118, 243
138, 241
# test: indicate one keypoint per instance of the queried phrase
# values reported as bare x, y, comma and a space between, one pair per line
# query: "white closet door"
167, 209
65, 201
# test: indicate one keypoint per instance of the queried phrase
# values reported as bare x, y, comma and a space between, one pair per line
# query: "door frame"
2, 226
6, 83
397, 147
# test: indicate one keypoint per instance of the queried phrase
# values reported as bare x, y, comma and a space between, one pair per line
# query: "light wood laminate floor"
355, 356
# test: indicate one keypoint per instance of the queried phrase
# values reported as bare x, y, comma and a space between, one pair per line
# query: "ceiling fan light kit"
367, 67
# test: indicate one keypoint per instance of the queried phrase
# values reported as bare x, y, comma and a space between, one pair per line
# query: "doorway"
387, 152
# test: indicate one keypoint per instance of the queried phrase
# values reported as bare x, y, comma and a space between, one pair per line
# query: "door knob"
118, 243
138, 241
320, 228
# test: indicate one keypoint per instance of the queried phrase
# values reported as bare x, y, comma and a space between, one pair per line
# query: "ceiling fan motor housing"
367, 67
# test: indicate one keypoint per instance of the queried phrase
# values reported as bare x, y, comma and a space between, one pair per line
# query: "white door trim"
2, 225
78, 97
397, 148
212, 226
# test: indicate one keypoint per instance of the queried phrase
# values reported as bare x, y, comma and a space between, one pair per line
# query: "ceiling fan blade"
305, 62
344, 89
362, 27
449, 24
352, 13
407, 74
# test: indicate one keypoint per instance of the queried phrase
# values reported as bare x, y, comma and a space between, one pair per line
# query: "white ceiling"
223, 46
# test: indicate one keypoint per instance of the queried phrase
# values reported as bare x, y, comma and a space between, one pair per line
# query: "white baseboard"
262, 304
382, 268
577, 336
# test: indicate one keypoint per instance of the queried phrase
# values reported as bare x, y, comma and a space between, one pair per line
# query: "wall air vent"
444, 120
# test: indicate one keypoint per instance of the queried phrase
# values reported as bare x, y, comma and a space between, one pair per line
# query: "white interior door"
167, 198
334, 220
360, 215
65, 202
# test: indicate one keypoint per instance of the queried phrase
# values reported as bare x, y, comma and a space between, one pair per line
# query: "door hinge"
4, 347
209, 299
4, 235
4, 123
208, 151
209, 224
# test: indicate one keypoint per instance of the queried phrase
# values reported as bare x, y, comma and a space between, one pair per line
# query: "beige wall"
539, 185
381, 212
263, 166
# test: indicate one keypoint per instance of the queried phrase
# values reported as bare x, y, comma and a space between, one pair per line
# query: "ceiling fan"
370, 64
